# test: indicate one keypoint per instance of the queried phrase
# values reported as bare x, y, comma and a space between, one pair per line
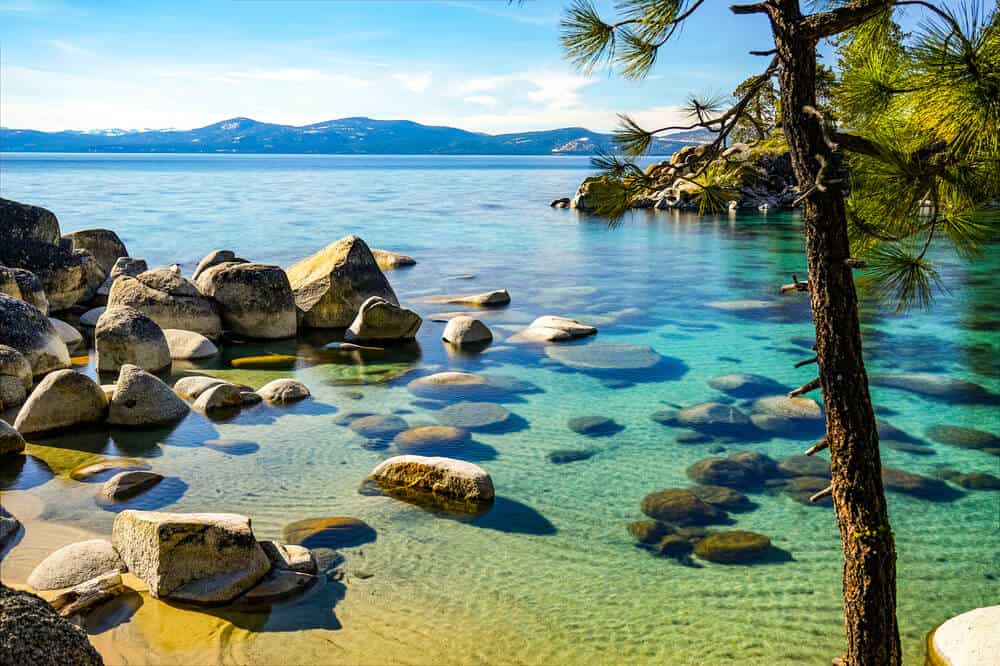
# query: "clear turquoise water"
550, 575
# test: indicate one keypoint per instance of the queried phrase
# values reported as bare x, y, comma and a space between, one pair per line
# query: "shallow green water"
550, 575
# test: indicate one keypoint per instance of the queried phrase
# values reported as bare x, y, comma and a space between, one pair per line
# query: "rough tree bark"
851, 433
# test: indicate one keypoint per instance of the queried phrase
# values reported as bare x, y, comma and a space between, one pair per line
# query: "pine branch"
834, 22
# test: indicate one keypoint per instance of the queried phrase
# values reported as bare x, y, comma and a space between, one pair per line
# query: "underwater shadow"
314, 609
113, 613
511, 516
166, 492
23, 472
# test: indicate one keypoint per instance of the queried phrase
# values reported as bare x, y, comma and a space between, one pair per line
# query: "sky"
481, 65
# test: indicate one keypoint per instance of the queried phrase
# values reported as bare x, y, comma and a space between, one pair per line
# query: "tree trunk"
859, 499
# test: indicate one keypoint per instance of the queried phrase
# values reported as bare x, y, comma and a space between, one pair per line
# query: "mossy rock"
649, 531
681, 507
733, 547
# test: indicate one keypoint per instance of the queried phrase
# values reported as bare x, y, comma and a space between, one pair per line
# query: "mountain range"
346, 136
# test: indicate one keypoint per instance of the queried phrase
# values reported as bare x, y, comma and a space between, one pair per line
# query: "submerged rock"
447, 477
25, 329
746, 386
255, 300
594, 426
207, 558
430, 438
126, 336
329, 532
64, 398
966, 438
717, 419
940, 387
449, 385
564, 456
740, 470
283, 391
733, 547
805, 466
378, 427
169, 300
465, 330
331, 285
604, 356
473, 415
649, 532
76, 563
31, 632
381, 320
916, 485
681, 507
140, 399
723, 497
802, 488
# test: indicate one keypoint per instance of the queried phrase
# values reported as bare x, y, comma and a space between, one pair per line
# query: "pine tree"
912, 153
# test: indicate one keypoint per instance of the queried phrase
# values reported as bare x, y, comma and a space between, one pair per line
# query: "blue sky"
481, 65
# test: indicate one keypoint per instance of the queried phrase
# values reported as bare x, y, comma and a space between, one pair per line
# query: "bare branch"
756, 8
817, 447
764, 53
800, 364
805, 388
826, 492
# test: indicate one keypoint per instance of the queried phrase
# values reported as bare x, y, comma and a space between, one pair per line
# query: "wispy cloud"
417, 83
513, 12
481, 100
69, 48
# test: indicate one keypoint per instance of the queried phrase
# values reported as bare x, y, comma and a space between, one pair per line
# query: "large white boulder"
255, 300
969, 639
447, 477
142, 400
76, 563
169, 300
126, 336
205, 558
379, 319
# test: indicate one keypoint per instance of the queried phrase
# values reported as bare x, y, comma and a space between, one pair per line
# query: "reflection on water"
548, 573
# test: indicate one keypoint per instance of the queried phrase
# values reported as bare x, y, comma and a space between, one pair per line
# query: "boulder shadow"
23, 472
166, 492
509, 515
113, 613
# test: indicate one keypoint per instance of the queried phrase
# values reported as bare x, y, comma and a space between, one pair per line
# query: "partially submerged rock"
389, 261
218, 397
495, 298
969, 639
24, 328
31, 632
283, 391
255, 300
169, 300
551, 328
126, 336
206, 558
128, 484
84, 597
11, 441
63, 399
332, 284
289, 557
328, 532
455, 479
430, 438
381, 320
473, 415
466, 331
76, 563
190, 388
188, 345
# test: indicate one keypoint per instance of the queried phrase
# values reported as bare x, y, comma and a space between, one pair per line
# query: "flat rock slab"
494, 298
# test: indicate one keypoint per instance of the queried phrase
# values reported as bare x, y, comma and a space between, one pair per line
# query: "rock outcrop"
551, 328
68, 276
142, 400
331, 285
15, 377
63, 399
31, 288
20, 221
31, 632
11, 441
169, 300
255, 300
24, 328
204, 558
104, 244
380, 320
126, 336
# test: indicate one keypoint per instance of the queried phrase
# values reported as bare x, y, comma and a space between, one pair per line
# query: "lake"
551, 574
